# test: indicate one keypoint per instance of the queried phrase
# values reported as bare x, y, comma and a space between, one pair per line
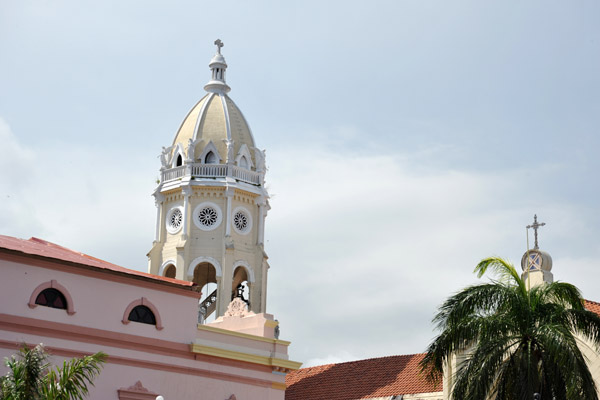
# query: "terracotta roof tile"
592, 306
43, 248
363, 379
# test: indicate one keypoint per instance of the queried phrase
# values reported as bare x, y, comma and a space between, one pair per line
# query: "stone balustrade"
212, 171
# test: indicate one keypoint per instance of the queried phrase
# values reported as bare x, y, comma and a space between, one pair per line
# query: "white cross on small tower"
219, 44
535, 227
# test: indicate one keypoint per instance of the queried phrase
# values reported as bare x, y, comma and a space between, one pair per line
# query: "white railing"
172, 173
244, 174
213, 171
209, 170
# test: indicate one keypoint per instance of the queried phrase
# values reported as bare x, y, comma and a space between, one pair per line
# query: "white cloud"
93, 201
17, 166
15, 159
364, 247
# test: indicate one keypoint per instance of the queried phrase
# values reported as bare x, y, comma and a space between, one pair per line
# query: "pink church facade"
164, 352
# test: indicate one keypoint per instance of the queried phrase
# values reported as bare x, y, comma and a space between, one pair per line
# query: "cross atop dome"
535, 227
219, 44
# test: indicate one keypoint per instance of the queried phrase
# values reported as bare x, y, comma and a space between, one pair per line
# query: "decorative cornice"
251, 358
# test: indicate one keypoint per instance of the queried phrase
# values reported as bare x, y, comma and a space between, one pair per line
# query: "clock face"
535, 261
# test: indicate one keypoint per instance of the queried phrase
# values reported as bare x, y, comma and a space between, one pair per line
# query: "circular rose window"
207, 216
174, 220
242, 221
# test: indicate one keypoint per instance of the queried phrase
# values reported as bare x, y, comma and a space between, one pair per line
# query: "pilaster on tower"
212, 203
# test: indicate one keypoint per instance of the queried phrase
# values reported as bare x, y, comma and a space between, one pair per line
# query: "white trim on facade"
196, 261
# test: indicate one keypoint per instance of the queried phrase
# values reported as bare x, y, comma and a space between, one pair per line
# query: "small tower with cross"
218, 66
536, 264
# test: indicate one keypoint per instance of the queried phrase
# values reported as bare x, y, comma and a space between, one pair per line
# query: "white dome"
217, 119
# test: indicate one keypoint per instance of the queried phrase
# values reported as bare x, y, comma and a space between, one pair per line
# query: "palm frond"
72, 380
502, 268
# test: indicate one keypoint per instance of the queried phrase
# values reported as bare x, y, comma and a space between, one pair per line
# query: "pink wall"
160, 359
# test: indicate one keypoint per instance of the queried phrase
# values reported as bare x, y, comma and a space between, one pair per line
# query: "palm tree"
516, 341
30, 376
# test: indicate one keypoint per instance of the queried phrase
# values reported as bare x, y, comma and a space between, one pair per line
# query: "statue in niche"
191, 149
164, 156
260, 156
229, 144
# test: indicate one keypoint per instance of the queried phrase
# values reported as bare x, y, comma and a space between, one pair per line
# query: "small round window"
207, 216
174, 220
242, 220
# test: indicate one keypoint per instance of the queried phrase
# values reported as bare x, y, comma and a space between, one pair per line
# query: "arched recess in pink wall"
52, 285
143, 302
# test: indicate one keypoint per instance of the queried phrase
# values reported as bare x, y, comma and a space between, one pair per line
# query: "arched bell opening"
240, 286
170, 271
205, 276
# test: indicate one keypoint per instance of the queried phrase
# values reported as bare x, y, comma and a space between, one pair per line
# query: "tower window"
242, 220
51, 298
174, 220
143, 315
210, 158
179, 161
208, 216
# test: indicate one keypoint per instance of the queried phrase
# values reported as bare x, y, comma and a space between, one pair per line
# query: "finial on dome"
218, 66
535, 227
219, 44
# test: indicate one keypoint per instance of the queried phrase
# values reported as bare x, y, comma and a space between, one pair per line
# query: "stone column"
187, 192
229, 194
158, 201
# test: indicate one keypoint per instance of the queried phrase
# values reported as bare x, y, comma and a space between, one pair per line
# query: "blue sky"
405, 141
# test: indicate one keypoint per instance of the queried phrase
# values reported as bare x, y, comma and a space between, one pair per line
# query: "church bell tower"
212, 203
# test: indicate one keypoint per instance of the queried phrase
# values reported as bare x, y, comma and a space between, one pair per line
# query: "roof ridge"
48, 243
365, 359
79, 253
